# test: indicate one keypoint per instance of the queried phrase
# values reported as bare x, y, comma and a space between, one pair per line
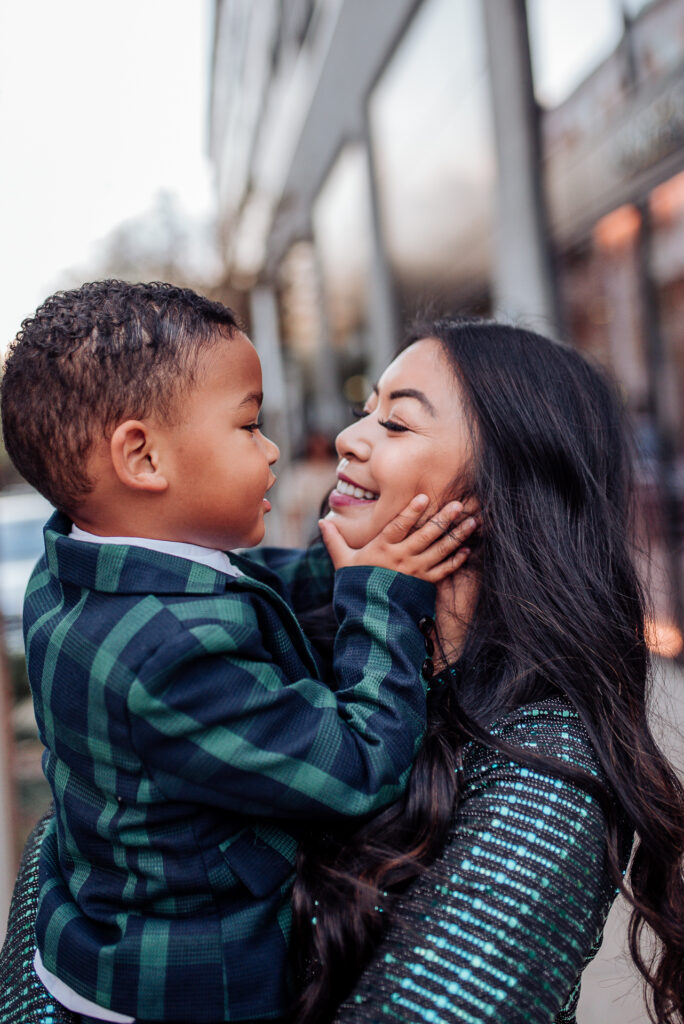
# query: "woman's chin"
353, 525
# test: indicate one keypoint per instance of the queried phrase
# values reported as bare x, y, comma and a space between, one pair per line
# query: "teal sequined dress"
498, 930
501, 926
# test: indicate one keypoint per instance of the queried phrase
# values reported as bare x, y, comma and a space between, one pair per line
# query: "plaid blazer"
189, 739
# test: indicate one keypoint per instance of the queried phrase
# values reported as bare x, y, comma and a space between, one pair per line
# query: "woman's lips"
344, 495
337, 499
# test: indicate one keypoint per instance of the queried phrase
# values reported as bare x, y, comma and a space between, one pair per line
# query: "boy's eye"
253, 427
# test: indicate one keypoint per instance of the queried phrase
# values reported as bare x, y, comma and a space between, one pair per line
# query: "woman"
497, 870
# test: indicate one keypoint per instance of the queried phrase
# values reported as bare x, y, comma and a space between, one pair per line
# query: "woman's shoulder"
551, 728
521, 881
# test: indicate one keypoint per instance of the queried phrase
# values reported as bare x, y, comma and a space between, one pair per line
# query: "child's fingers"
337, 547
397, 529
437, 525
449, 566
449, 541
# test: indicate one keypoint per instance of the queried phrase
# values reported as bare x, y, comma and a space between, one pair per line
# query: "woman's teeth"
355, 492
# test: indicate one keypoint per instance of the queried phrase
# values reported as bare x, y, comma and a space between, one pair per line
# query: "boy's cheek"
257, 535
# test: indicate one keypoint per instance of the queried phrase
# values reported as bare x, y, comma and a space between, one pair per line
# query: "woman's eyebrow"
411, 393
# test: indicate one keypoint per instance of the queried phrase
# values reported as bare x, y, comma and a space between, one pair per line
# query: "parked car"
22, 517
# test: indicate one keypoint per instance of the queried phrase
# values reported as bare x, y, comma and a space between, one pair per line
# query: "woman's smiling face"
413, 438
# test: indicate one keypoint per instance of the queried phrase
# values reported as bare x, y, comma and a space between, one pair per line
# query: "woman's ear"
135, 457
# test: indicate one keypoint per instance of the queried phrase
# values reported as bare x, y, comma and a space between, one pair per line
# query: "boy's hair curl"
92, 357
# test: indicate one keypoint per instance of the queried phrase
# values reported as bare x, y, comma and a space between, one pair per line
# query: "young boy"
189, 735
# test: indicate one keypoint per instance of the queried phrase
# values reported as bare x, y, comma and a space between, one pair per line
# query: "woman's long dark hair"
559, 610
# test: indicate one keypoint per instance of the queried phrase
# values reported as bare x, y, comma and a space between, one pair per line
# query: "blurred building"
378, 159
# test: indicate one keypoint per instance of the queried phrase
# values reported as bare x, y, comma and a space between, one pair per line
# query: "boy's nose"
272, 451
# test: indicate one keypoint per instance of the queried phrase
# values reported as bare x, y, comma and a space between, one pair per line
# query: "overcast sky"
102, 104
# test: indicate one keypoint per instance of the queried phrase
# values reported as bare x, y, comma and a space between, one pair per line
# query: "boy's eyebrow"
410, 393
253, 396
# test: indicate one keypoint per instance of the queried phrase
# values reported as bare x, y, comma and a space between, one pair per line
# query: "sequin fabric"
23, 1000
501, 926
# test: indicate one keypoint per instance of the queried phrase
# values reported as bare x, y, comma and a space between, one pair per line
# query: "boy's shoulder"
144, 588
126, 615
118, 569
133, 604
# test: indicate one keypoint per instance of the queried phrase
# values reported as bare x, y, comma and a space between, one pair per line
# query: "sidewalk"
611, 988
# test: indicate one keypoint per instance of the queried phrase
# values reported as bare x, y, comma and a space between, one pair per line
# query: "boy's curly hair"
92, 357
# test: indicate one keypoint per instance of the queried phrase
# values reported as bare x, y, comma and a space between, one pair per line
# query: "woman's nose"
352, 442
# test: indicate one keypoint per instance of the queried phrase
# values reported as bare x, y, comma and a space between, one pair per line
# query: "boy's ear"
135, 457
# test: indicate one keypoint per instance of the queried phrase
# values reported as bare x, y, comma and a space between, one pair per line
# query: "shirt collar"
127, 568
212, 557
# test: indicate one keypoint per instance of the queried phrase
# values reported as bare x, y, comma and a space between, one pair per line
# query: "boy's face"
219, 462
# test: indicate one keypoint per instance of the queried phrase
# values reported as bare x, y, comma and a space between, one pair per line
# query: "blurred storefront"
378, 160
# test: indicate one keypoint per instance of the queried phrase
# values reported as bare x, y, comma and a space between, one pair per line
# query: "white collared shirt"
212, 557
72, 1000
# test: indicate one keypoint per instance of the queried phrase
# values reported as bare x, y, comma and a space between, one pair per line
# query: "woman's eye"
358, 411
398, 428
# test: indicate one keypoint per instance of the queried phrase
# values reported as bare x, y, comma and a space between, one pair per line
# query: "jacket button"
426, 625
428, 668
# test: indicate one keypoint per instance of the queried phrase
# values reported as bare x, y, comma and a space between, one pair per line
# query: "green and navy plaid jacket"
189, 739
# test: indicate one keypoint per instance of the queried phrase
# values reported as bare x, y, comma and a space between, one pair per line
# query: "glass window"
658, 43
301, 327
563, 51
634, 7
608, 284
600, 290
342, 231
666, 207
432, 142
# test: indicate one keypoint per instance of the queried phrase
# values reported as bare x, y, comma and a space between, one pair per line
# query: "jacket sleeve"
306, 573
215, 719
502, 924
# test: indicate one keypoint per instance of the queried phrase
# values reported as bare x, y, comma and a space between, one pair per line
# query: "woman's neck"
454, 607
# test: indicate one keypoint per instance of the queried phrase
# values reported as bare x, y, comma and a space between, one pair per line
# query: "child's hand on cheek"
431, 552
